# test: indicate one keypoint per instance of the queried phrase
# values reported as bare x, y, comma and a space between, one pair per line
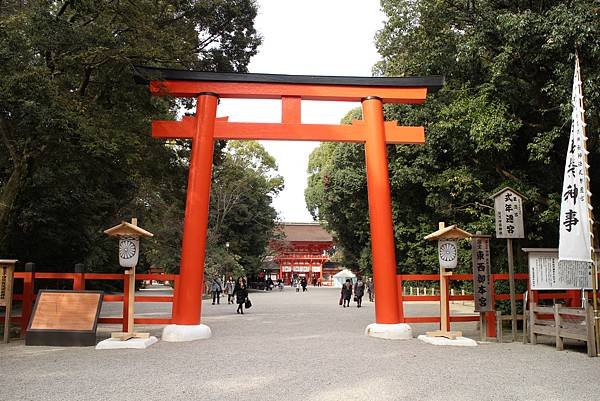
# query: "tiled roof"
305, 232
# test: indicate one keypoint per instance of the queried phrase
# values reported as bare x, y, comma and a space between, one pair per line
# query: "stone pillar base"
398, 331
135, 343
457, 342
180, 333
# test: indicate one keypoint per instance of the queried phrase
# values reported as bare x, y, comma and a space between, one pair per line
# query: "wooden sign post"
482, 288
508, 207
129, 250
7, 271
448, 258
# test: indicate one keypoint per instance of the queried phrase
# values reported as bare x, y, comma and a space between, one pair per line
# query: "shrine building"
302, 252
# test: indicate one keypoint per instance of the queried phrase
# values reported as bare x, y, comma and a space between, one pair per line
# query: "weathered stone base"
136, 343
399, 331
458, 342
181, 333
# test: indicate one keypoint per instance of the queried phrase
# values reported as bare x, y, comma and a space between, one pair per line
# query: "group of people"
235, 290
298, 283
359, 291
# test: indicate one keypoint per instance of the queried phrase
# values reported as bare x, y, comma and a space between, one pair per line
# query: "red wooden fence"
572, 296
28, 295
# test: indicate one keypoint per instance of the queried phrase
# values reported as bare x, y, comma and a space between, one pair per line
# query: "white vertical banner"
575, 239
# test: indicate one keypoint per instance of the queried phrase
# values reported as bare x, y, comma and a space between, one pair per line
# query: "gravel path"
297, 346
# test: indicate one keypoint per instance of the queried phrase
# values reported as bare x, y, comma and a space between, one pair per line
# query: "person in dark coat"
241, 294
216, 288
371, 289
347, 292
303, 283
359, 291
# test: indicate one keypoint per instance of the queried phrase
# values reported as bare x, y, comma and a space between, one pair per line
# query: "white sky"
308, 37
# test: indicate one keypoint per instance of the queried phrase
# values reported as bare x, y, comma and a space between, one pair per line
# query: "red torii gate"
205, 128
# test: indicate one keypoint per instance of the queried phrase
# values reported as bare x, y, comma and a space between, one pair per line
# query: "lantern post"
129, 252
447, 238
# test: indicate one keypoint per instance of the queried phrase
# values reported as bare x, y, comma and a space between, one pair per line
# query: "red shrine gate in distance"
302, 252
204, 128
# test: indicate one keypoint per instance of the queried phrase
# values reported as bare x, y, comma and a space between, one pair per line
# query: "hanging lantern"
129, 242
129, 250
448, 254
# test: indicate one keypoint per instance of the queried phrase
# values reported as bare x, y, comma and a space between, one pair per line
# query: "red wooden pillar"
126, 278
387, 309
447, 279
574, 298
491, 315
28, 296
188, 303
79, 279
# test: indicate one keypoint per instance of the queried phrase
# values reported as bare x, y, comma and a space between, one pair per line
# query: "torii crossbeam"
204, 128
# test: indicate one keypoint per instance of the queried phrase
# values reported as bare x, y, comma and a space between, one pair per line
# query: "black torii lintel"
144, 75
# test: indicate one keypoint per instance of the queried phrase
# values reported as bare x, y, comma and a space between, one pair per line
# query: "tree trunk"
10, 191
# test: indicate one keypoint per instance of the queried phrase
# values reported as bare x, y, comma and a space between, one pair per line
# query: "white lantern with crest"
129, 250
448, 253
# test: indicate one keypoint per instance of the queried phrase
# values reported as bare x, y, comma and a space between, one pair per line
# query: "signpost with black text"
508, 207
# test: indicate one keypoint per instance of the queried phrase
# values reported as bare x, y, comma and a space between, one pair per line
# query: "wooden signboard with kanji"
482, 288
65, 318
7, 270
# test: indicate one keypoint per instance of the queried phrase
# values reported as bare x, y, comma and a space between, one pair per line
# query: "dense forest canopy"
77, 156
502, 119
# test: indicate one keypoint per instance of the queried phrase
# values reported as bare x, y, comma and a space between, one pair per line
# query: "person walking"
229, 287
241, 294
371, 289
216, 288
359, 291
346, 292
303, 283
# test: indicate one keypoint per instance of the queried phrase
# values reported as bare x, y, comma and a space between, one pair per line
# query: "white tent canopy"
340, 278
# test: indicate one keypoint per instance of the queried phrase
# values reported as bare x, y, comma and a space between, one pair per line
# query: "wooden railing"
572, 297
573, 323
78, 279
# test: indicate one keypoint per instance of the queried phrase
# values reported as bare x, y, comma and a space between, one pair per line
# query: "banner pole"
590, 213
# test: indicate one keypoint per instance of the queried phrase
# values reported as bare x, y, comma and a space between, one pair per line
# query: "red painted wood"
28, 298
248, 90
355, 132
188, 305
436, 319
125, 323
291, 112
79, 282
387, 308
45, 275
103, 276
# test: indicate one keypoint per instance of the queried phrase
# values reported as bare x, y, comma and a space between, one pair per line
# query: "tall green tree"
74, 126
502, 119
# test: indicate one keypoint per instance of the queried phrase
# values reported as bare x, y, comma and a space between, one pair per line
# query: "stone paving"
297, 346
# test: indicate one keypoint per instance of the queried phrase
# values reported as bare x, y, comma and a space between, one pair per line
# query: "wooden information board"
6, 284
65, 318
7, 270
